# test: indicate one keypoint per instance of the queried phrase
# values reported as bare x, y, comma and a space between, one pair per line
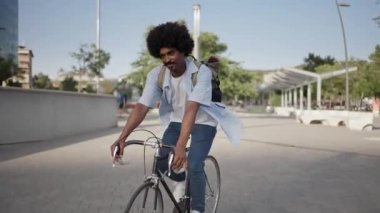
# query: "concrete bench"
284, 111
360, 120
352, 120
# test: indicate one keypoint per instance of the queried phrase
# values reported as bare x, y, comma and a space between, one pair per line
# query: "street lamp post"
98, 24
338, 5
196, 33
97, 40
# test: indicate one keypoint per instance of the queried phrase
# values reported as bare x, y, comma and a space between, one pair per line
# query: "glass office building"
9, 29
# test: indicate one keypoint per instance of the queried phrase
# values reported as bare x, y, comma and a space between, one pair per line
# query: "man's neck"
180, 71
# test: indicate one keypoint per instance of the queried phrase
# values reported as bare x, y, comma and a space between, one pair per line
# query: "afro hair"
169, 35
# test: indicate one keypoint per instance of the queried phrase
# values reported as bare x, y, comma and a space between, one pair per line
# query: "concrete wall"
34, 115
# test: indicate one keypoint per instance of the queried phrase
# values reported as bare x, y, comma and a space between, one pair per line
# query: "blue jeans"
202, 137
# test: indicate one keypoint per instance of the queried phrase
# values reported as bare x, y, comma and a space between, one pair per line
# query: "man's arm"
186, 127
137, 116
151, 94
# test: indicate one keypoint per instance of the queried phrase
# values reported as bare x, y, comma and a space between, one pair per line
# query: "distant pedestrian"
123, 100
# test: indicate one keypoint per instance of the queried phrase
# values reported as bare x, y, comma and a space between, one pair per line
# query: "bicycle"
148, 197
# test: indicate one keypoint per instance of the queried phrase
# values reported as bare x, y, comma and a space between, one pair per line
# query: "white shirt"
201, 93
180, 97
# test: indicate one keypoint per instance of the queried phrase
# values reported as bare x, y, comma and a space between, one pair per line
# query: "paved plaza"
279, 167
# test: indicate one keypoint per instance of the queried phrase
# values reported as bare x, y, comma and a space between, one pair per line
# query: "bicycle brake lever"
170, 160
114, 155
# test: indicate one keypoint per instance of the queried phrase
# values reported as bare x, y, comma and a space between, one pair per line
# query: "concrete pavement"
280, 166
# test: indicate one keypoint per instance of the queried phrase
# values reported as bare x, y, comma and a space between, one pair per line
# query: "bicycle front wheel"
146, 199
212, 176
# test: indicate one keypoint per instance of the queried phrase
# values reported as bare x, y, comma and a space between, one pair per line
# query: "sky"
261, 34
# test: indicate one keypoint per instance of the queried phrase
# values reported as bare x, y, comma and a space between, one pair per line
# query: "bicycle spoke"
209, 189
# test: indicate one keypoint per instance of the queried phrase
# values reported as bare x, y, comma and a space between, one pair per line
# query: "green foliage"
377, 20
89, 89
313, 61
210, 45
7, 66
375, 57
332, 88
69, 84
141, 66
362, 83
15, 83
275, 100
366, 82
42, 81
90, 59
236, 83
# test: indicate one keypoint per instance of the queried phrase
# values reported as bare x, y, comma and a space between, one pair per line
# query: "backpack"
213, 64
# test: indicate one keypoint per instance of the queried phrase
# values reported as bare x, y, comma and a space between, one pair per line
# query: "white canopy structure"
292, 81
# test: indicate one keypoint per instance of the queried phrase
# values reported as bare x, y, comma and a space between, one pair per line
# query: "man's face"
173, 59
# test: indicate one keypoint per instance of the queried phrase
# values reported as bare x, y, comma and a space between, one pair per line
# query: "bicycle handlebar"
155, 145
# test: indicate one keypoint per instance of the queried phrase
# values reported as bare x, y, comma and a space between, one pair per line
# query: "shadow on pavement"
12, 151
265, 116
17, 150
273, 143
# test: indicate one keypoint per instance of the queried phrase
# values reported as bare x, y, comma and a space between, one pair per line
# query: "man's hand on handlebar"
180, 158
117, 154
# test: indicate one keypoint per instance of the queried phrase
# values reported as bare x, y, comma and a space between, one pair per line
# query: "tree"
237, 83
375, 56
8, 68
210, 45
313, 61
377, 20
365, 82
141, 66
91, 60
69, 84
89, 89
332, 88
41, 81
375, 70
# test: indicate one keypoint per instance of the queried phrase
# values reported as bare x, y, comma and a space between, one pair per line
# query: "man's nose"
165, 59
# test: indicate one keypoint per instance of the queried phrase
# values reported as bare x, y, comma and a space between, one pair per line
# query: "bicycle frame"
156, 178
152, 182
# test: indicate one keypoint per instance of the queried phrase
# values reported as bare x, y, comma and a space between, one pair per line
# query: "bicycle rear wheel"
212, 176
146, 199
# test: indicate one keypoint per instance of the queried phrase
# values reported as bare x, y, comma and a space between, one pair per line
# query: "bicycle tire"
213, 183
142, 193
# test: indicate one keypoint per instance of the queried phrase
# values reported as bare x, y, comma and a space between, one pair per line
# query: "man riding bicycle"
185, 108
